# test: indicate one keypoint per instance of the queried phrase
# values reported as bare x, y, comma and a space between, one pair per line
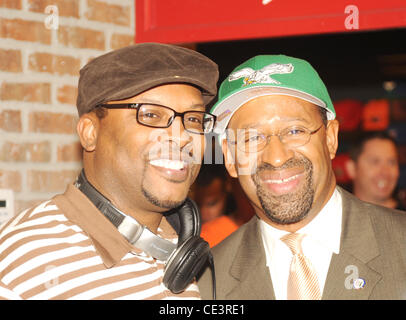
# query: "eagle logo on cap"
263, 75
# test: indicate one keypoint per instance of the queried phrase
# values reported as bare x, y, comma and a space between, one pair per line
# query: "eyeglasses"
251, 140
158, 116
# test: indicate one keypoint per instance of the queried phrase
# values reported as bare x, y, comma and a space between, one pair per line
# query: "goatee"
165, 204
287, 208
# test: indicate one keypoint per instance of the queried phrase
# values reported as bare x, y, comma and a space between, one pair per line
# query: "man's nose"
177, 133
275, 152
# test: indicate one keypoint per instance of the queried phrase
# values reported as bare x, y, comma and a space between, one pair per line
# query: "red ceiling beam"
188, 21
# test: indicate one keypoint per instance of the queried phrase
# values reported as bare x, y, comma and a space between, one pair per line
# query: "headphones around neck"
184, 261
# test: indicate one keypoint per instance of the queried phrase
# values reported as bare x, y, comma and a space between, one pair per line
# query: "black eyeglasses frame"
137, 106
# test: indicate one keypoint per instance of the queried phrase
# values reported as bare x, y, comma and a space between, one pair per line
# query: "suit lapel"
253, 281
358, 248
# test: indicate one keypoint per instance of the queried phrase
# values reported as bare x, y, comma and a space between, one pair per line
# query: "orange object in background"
376, 115
216, 230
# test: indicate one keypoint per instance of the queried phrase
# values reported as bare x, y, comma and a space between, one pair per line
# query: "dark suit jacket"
373, 242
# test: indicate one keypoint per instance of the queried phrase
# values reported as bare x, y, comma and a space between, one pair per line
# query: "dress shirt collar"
325, 228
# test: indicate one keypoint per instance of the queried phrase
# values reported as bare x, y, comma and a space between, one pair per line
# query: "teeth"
381, 184
168, 164
283, 180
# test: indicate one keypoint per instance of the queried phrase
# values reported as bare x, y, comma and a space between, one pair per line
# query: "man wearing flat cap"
309, 239
125, 229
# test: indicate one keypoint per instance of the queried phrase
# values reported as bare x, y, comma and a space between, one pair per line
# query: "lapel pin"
359, 283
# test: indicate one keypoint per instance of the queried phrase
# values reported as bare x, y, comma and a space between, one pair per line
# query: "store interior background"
360, 66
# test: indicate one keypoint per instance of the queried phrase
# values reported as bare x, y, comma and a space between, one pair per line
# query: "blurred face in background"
376, 171
211, 200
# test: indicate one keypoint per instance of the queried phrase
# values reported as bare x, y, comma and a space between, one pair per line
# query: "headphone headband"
137, 234
183, 261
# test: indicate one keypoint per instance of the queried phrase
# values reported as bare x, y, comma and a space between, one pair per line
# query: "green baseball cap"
269, 75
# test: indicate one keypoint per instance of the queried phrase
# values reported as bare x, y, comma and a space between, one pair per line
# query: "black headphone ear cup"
189, 218
192, 252
186, 263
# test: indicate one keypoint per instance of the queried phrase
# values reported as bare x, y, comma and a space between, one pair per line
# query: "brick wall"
40, 59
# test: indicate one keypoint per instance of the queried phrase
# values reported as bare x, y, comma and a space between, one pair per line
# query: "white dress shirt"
321, 241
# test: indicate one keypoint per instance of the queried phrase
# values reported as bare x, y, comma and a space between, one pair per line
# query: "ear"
87, 129
332, 137
229, 160
350, 167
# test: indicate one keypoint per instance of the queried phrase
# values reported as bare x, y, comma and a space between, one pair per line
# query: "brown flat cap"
126, 72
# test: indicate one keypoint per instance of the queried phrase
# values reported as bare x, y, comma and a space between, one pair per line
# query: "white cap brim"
225, 109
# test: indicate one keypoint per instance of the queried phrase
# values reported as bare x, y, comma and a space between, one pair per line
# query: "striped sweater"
66, 249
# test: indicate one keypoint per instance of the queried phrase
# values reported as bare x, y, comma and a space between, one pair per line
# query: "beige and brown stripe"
46, 254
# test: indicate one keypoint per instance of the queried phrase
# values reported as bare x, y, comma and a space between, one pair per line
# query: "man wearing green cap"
309, 239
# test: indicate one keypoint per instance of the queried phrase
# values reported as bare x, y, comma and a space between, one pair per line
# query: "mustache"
291, 163
172, 152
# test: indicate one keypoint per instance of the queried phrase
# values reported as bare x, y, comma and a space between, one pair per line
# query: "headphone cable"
213, 274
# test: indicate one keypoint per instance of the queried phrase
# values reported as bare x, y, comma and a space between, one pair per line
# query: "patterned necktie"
302, 283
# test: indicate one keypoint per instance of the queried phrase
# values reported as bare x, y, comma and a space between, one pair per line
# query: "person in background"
374, 169
213, 192
213, 195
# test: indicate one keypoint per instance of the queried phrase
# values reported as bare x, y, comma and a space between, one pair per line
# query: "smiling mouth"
280, 181
175, 171
169, 164
384, 185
